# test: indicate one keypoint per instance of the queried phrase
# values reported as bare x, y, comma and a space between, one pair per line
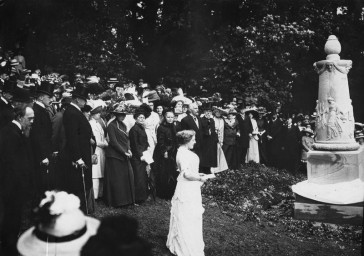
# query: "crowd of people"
123, 142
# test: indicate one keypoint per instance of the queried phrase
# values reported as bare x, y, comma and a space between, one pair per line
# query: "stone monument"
334, 190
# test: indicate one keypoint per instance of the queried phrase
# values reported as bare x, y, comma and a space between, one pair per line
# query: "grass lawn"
225, 235
247, 212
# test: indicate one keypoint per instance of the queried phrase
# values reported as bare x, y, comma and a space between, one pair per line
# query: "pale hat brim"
30, 245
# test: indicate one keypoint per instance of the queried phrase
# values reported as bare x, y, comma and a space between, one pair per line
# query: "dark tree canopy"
262, 50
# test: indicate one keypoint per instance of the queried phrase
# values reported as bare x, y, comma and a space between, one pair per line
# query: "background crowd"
117, 141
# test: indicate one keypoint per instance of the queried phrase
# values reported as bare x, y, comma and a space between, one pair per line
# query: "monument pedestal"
334, 191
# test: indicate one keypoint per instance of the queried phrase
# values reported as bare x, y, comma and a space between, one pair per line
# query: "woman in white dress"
185, 237
253, 150
101, 144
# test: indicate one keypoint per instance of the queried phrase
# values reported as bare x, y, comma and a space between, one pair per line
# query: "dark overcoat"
139, 144
245, 127
15, 168
41, 134
187, 123
209, 143
6, 113
78, 133
15, 160
41, 141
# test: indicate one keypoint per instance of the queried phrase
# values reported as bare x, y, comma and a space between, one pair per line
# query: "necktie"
196, 121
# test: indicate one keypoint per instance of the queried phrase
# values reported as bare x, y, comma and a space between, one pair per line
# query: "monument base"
334, 191
306, 209
331, 167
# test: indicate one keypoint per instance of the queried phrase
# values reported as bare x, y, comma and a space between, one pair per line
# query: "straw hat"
62, 228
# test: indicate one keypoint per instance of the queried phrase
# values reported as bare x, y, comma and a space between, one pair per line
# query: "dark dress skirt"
119, 182
140, 179
230, 146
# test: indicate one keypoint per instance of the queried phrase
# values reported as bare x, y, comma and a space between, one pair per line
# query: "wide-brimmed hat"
232, 112
144, 85
113, 80
80, 92
153, 96
308, 130
359, 135
46, 88
62, 229
120, 108
93, 80
14, 62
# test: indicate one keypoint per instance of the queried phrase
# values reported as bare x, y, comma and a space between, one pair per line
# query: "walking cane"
84, 186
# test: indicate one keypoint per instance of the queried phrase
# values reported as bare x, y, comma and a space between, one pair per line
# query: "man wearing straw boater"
76, 156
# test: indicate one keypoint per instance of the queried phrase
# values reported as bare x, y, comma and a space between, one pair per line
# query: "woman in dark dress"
139, 146
119, 176
165, 157
231, 134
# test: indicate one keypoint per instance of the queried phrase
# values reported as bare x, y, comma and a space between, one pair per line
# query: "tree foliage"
258, 49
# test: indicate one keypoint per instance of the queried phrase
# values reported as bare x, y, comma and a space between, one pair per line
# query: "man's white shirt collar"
40, 104
73, 104
17, 123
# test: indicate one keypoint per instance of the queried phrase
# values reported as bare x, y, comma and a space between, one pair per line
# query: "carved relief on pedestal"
335, 121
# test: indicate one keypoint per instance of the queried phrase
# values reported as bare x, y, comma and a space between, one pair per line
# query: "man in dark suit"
14, 175
245, 128
6, 109
40, 137
76, 155
193, 122
209, 141
274, 137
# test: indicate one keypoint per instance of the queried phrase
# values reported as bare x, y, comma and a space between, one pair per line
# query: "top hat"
21, 95
80, 92
206, 106
46, 88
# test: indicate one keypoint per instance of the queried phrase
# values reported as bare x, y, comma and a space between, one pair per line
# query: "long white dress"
253, 150
185, 237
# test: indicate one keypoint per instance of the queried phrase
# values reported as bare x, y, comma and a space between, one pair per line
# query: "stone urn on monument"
334, 190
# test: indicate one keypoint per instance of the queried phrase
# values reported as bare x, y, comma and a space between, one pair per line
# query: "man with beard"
41, 138
193, 122
14, 175
76, 155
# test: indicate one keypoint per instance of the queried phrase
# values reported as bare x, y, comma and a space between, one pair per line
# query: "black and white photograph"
181, 127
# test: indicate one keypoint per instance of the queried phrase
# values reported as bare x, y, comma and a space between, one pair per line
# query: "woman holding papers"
185, 236
119, 176
141, 158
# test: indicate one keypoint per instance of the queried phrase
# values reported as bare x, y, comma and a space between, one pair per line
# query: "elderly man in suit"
76, 155
15, 171
193, 122
41, 139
